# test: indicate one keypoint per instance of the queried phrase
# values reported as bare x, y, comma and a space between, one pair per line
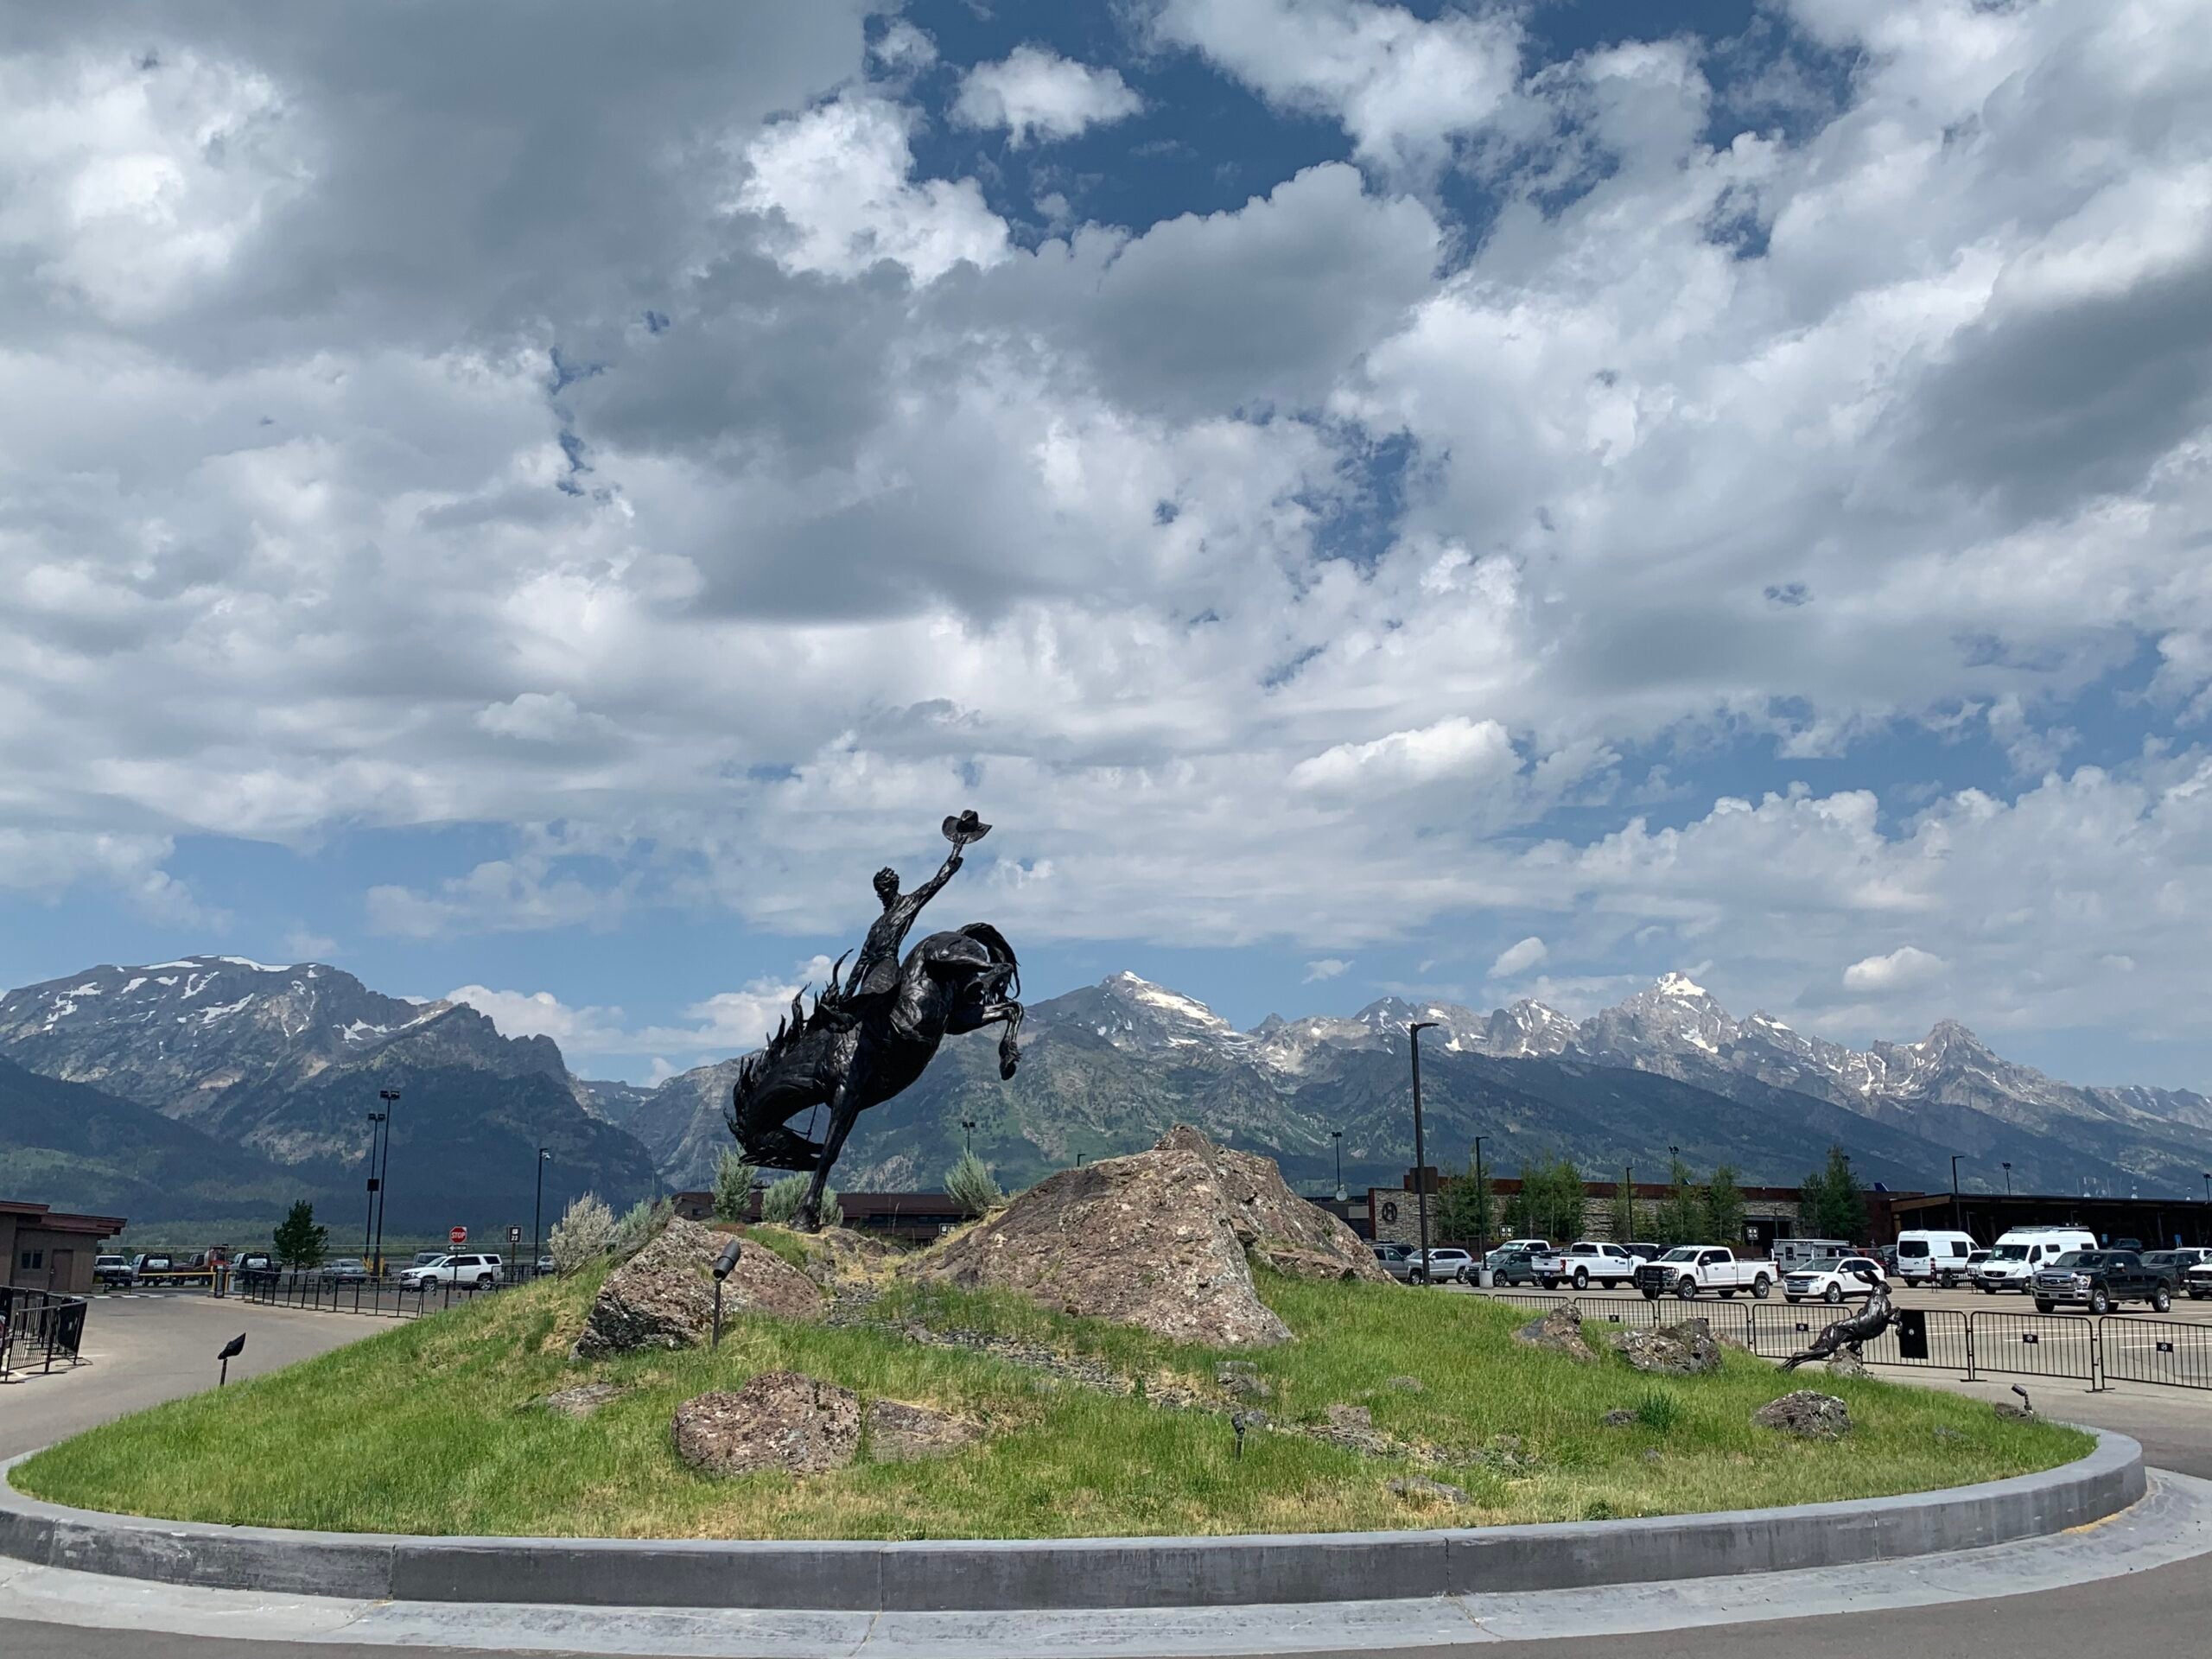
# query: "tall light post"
375, 1140
1420, 1145
390, 1098
1482, 1205
2008, 1177
1628, 1189
968, 1124
1954, 1188
1338, 1136
537, 1211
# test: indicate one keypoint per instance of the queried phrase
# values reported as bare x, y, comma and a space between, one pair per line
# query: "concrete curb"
994, 1576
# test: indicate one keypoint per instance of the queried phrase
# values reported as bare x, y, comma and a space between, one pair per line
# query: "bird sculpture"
1855, 1331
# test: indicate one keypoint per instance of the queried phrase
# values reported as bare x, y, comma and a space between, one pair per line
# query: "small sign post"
459, 1237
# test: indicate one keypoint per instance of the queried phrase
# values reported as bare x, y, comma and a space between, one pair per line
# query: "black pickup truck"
2097, 1279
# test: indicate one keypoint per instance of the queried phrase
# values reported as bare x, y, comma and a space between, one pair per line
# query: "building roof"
61, 1221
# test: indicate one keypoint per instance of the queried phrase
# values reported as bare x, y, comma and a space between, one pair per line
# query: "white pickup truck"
1583, 1260
1689, 1268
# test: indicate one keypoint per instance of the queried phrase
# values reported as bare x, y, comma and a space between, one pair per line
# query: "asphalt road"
148, 1350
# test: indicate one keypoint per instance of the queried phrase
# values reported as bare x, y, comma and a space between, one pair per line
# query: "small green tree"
779, 1203
969, 1184
1524, 1208
1466, 1208
1680, 1219
733, 1180
1724, 1208
581, 1235
299, 1242
1567, 1216
1830, 1204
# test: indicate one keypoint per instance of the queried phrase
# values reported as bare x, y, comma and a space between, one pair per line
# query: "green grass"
428, 1428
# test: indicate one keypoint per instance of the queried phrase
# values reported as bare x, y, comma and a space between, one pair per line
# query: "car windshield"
2079, 1259
1912, 1247
2010, 1253
1683, 1253
434, 1261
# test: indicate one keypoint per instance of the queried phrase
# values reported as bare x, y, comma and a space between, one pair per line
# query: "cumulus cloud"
1518, 958
1326, 967
1907, 965
725, 1023
1034, 94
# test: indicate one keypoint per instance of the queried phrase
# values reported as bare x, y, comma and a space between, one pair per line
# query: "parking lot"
1961, 1298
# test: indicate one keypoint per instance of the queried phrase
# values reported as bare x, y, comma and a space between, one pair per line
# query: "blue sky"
1454, 498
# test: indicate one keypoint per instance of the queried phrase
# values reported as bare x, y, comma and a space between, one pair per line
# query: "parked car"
1937, 1255
1643, 1250
1395, 1259
1586, 1259
2174, 1265
2198, 1282
2097, 1279
1511, 1266
111, 1270
481, 1271
1975, 1260
2135, 1244
1441, 1264
1689, 1268
1831, 1279
346, 1270
1534, 1246
2023, 1252
254, 1268
165, 1267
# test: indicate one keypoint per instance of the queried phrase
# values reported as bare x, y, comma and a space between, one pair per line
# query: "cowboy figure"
874, 981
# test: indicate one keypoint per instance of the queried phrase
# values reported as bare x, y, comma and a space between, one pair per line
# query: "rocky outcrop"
1807, 1413
801, 1425
583, 1400
1420, 1489
1683, 1350
837, 1256
1559, 1332
664, 1296
1353, 1428
1295, 1263
1155, 1240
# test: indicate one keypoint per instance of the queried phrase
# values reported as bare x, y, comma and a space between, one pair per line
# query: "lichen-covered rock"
1559, 1332
1305, 1264
1620, 1417
1353, 1428
1844, 1362
1241, 1378
1807, 1414
1683, 1350
801, 1425
1155, 1240
2016, 1413
664, 1296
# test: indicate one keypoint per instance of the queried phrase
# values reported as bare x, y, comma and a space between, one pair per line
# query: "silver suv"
482, 1271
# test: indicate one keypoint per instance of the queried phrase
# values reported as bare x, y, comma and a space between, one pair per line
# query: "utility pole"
1482, 1205
1954, 1190
1338, 1136
390, 1098
1628, 1209
2008, 1177
1421, 1146
538, 1214
969, 1125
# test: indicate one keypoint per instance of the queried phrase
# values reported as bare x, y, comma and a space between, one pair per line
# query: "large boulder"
1560, 1332
664, 1296
1155, 1240
1683, 1350
801, 1425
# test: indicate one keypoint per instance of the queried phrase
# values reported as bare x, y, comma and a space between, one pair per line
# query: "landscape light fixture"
1421, 1157
232, 1350
2025, 1403
1236, 1422
725, 1265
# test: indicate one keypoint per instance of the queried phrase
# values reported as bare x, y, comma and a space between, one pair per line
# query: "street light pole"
1338, 1136
2008, 1177
1954, 1189
390, 1098
969, 1125
1482, 1205
375, 1140
537, 1212
1421, 1146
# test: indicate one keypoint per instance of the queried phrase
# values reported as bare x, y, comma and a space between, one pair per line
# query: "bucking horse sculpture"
872, 1036
1855, 1330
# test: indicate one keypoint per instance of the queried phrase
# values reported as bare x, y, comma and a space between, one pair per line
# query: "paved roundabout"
2110, 1551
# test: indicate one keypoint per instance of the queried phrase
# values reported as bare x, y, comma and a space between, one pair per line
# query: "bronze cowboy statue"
870, 1037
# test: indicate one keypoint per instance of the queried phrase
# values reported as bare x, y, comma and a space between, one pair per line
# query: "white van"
1935, 1256
2014, 1259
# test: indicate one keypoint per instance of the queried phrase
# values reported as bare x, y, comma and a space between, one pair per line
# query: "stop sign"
459, 1234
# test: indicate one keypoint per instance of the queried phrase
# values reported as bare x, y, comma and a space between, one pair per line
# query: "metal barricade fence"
2164, 1352
37, 1327
2036, 1345
1933, 1338
375, 1297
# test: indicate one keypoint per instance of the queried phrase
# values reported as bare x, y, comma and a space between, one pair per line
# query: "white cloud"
1455, 750
729, 1022
1907, 965
1326, 967
1037, 95
839, 178
1517, 959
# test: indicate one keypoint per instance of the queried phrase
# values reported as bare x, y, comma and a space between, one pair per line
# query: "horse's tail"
995, 942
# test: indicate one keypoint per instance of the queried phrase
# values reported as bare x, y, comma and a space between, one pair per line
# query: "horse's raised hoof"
1009, 1056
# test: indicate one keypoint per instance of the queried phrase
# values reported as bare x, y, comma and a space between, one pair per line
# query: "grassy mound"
431, 1427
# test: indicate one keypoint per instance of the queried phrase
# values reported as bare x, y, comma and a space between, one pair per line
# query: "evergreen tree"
780, 1203
1568, 1210
1524, 1209
299, 1241
1830, 1202
1724, 1208
1680, 1219
1464, 1210
733, 1180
